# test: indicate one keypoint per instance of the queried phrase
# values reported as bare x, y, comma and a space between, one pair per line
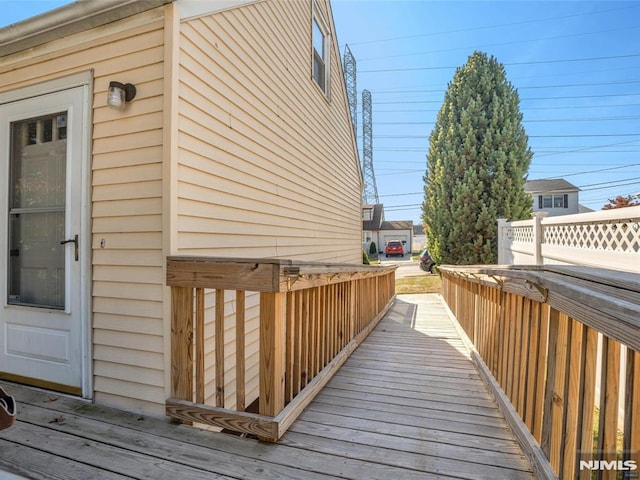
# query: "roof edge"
67, 20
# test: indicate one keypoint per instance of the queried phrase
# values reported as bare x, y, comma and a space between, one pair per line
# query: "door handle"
74, 240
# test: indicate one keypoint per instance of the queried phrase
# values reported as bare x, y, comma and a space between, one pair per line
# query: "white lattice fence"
616, 236
523, 234
608, 239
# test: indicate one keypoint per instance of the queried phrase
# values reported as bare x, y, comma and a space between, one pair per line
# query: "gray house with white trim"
555, 196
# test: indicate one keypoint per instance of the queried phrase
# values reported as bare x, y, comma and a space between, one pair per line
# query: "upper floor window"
320, 53
553, 201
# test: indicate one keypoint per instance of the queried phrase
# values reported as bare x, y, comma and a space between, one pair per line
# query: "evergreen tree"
477, 165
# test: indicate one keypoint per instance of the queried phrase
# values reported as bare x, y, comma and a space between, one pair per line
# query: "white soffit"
72, 18
198, 8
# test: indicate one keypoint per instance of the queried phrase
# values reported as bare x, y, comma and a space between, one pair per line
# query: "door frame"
85, 81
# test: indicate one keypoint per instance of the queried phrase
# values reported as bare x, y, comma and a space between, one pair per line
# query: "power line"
567, 85
517, 80
402, 194
534, 136
600, 170
611, 186
488, 27
567, 107
584, 149
615, 183
572, 97
391, 207
587, 135
608, 197
605, 183
543, 120
512, 42
509, 64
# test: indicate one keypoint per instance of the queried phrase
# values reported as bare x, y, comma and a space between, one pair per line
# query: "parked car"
426, 262
394, 247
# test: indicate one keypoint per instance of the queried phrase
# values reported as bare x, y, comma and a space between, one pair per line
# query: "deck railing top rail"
262, 274
606, 300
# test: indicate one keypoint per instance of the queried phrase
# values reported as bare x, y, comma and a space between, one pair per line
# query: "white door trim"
85, 81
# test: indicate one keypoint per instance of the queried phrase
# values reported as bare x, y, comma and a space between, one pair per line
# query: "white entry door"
41, 235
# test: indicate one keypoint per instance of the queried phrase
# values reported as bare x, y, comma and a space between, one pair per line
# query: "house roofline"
555, 190
67, 20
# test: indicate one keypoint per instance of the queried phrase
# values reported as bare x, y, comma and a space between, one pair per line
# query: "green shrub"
373, 249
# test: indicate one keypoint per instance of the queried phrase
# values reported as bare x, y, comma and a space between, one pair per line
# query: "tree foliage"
477, 164
621, 202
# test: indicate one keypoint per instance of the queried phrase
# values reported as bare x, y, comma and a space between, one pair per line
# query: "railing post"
554, 400
353, 308
240, 350
219, 347
609, 395
181, 343
538, 237
502, 228
272, 352
631, 442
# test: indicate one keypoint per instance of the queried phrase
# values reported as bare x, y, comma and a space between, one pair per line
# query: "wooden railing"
311, 317
550, 338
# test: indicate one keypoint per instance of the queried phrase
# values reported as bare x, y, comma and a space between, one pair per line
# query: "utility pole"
349, 67
370, 192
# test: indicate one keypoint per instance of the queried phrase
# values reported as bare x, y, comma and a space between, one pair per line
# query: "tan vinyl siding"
267, 163
127, 216
251, 349
126, 196
264, 164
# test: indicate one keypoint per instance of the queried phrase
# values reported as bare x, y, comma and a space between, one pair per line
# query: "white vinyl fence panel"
607, 239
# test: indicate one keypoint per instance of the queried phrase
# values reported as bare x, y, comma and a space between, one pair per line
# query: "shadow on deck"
407, 404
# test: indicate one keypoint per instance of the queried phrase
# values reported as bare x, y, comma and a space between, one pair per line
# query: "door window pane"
37, 186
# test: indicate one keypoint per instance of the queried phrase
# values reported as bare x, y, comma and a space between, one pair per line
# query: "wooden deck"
408, 404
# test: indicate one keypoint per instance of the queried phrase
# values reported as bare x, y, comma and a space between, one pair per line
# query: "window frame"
559, 200
324, 57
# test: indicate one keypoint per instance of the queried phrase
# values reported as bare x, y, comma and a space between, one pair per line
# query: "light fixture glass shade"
116, 97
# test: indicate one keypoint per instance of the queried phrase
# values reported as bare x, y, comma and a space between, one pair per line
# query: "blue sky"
575, 64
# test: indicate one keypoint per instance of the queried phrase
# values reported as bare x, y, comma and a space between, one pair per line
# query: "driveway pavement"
406, 266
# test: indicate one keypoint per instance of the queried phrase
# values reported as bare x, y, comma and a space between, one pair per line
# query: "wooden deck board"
35, 463
408, 419
426, 459
408, 404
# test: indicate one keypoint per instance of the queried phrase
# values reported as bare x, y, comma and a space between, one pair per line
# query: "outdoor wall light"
119, 94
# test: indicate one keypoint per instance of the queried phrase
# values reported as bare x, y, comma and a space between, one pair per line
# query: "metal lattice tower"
349, 67
370, 192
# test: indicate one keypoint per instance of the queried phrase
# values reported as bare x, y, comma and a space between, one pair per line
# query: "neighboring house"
397, 230
372, 218
419, 238
376, 229
557, 197
238, 143
584, 209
